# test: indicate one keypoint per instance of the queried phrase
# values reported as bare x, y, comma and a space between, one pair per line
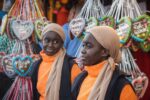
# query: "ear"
105, 53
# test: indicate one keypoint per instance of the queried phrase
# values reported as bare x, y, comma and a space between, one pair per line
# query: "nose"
83, 51
50, 44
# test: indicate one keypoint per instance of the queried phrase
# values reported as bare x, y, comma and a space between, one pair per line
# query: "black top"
115, 87
65, 88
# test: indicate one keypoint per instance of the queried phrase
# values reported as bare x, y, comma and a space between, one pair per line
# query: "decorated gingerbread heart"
39, 24
107, 21
22, 29
123, 29
22, 65
140, 85
77, 26
141, 28
91, 22
7, 66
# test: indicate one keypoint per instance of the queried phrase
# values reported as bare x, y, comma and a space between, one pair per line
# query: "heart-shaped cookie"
22, 65
91, 23
107, 21
7, 66
123, 29
77, 26
141, 28
140, 85
39, 25
22, 29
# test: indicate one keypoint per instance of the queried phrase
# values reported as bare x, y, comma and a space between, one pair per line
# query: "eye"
46, 40
83, 45
89, 45
55, 41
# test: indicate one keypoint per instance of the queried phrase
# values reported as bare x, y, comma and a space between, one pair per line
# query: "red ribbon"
21, 89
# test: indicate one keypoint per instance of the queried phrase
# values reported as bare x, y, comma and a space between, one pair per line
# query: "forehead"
89, 38
51, 35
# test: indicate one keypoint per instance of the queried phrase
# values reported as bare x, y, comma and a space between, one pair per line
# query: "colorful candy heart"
91, 23
107, 21
77, 26
22, 29
124, 29
39, 24
7, 66
141, 28
140, 85
22, 65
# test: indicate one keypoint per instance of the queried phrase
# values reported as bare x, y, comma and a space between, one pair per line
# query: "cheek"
58, 46
94, 54
44, 45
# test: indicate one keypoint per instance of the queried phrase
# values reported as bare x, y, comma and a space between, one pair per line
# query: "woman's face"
52, 43
92, 52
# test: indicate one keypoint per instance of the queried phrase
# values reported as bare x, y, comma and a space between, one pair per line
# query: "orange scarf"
89, 81
44, 70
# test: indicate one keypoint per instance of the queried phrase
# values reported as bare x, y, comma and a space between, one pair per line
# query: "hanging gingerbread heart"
145, 46
39, 25
141, 28
7, 66
22, 29
123, 29
91, 23
107, 21
77, 26
140, 85
22, 65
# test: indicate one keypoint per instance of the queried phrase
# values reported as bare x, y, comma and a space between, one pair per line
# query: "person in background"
101, 79
53, 74
72, 45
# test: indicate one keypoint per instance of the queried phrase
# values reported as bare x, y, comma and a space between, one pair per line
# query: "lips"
50, 50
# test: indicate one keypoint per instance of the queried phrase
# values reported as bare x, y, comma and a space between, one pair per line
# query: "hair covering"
108, 38
55, 28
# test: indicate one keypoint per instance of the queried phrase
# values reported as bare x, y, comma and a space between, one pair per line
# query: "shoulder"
35, 66
128, 93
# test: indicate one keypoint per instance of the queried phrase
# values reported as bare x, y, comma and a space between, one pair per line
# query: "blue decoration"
16, 65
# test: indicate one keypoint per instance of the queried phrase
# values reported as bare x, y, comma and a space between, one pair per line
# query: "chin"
50, 53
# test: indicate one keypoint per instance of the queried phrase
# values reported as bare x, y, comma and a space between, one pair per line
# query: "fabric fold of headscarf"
108, 38
54, 28
54, 78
